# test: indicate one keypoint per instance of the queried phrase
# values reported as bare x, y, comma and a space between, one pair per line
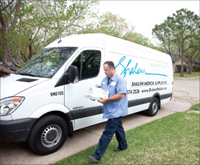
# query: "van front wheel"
153, 108
48, 135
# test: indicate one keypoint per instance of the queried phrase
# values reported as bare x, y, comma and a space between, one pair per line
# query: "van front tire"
48, 135
153, 108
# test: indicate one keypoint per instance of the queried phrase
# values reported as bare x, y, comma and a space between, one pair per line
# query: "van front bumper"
15, 130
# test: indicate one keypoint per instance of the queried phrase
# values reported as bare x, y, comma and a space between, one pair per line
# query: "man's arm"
117, 96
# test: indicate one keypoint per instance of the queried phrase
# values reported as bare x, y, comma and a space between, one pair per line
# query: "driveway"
185, 94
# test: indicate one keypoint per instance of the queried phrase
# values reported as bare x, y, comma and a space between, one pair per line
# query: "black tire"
153, 108
48, 135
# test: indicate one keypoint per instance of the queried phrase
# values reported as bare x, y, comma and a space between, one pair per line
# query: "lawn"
195, 107
186, 75
170, 140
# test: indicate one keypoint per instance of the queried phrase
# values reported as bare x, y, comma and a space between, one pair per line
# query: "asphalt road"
185, 94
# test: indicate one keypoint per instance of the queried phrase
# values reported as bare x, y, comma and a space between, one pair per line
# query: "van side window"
88, 64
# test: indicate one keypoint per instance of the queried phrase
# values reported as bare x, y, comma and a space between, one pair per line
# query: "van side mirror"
70, 76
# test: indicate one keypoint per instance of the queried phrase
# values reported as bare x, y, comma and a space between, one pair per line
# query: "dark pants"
113, 126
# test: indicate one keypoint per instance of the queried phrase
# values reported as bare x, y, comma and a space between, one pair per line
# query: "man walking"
115, 106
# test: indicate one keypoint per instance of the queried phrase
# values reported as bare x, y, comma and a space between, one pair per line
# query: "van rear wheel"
153, 108
48, 135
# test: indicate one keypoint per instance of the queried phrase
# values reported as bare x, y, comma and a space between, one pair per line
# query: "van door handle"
98, 86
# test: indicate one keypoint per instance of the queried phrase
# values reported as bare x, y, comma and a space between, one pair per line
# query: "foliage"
140, 39
192, 56
179, 35
173, 140
114, 25
28, 26
178, 68
110, 24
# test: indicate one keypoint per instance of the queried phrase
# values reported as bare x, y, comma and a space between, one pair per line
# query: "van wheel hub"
51, 135
154, 107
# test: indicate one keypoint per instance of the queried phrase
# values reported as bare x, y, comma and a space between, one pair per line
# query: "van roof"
113, 44
81, 40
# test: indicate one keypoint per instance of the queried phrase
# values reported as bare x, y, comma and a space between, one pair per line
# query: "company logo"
128, 70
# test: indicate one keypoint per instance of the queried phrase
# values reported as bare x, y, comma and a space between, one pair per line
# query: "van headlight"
8, 105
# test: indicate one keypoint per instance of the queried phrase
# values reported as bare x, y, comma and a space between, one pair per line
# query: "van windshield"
47, 62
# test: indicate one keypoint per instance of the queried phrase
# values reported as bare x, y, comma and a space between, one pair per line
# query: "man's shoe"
92, 158
117, 149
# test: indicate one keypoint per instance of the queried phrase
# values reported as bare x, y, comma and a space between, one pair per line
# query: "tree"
9, 15
116, 23
142, 40
165, 35
177, 33
193, 54
28, 26
111, 24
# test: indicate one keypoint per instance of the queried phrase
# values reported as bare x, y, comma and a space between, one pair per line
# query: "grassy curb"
195, 107
173, 139
186, 75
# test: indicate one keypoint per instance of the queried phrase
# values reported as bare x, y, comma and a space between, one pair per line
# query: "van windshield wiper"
28, 74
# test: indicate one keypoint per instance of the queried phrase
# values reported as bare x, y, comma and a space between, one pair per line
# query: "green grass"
170, 140
196, 107
186, 75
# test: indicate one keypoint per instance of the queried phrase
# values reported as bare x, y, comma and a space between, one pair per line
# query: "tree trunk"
5, 70
5, 53
182, 55
30, 51
191, 64
3, 40
5, 30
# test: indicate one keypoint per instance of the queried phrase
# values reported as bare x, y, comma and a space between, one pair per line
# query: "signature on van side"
133, 70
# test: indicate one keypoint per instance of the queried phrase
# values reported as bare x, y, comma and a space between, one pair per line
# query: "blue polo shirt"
114, 109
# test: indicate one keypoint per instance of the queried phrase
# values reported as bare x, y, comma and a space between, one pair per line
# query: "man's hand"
112, 98
103, 100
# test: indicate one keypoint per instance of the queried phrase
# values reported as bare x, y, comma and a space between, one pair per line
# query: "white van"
44, 101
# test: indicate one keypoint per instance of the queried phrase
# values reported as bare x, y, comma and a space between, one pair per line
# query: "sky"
145, 14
